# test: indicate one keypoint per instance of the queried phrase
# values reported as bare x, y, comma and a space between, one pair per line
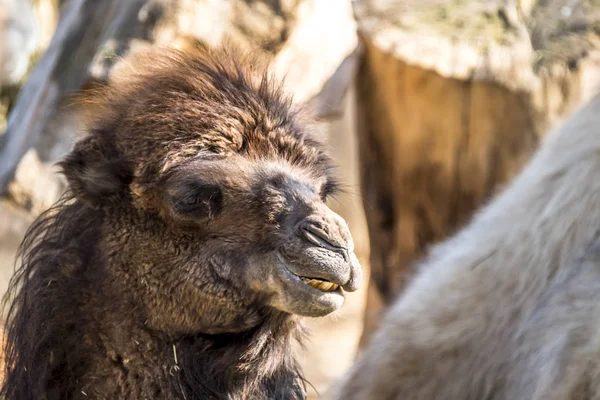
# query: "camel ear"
95, 173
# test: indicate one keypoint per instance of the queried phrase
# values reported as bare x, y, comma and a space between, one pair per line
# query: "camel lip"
299, 281
331, 277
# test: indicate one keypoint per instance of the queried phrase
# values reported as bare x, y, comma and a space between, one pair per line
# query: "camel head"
213, 194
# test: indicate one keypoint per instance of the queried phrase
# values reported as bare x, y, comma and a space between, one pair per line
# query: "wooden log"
82, 27
453, 98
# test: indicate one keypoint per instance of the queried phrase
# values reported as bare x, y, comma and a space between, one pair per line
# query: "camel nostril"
315, 233
338, 264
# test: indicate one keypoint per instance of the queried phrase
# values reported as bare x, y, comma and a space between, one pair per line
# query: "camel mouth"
320, 284
313, 284
305, 295
319, 290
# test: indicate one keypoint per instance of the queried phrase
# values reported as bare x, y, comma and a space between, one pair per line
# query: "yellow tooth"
314, 283
332, 287
324, 286
328, 286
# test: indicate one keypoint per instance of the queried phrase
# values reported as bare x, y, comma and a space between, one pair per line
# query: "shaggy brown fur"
172, 268
507, 309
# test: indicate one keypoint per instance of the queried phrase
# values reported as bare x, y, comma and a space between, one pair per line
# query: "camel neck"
129, 360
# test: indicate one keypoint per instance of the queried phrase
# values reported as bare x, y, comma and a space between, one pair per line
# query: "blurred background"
428, 106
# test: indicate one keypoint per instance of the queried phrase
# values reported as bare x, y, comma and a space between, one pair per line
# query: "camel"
509, 307
192, 240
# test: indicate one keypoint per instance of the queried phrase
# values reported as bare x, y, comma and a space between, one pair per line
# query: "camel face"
312, 261
268, 222
213, 190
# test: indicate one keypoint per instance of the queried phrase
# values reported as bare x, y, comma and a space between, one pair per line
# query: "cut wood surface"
453, 98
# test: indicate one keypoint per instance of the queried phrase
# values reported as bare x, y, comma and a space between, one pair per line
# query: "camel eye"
189, 201
198, 200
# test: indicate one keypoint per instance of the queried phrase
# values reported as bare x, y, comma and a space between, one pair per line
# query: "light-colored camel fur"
508, 308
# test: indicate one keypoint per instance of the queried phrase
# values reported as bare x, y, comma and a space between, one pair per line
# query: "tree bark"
453, 98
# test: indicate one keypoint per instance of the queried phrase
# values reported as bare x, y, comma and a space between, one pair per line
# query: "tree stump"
453, 97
